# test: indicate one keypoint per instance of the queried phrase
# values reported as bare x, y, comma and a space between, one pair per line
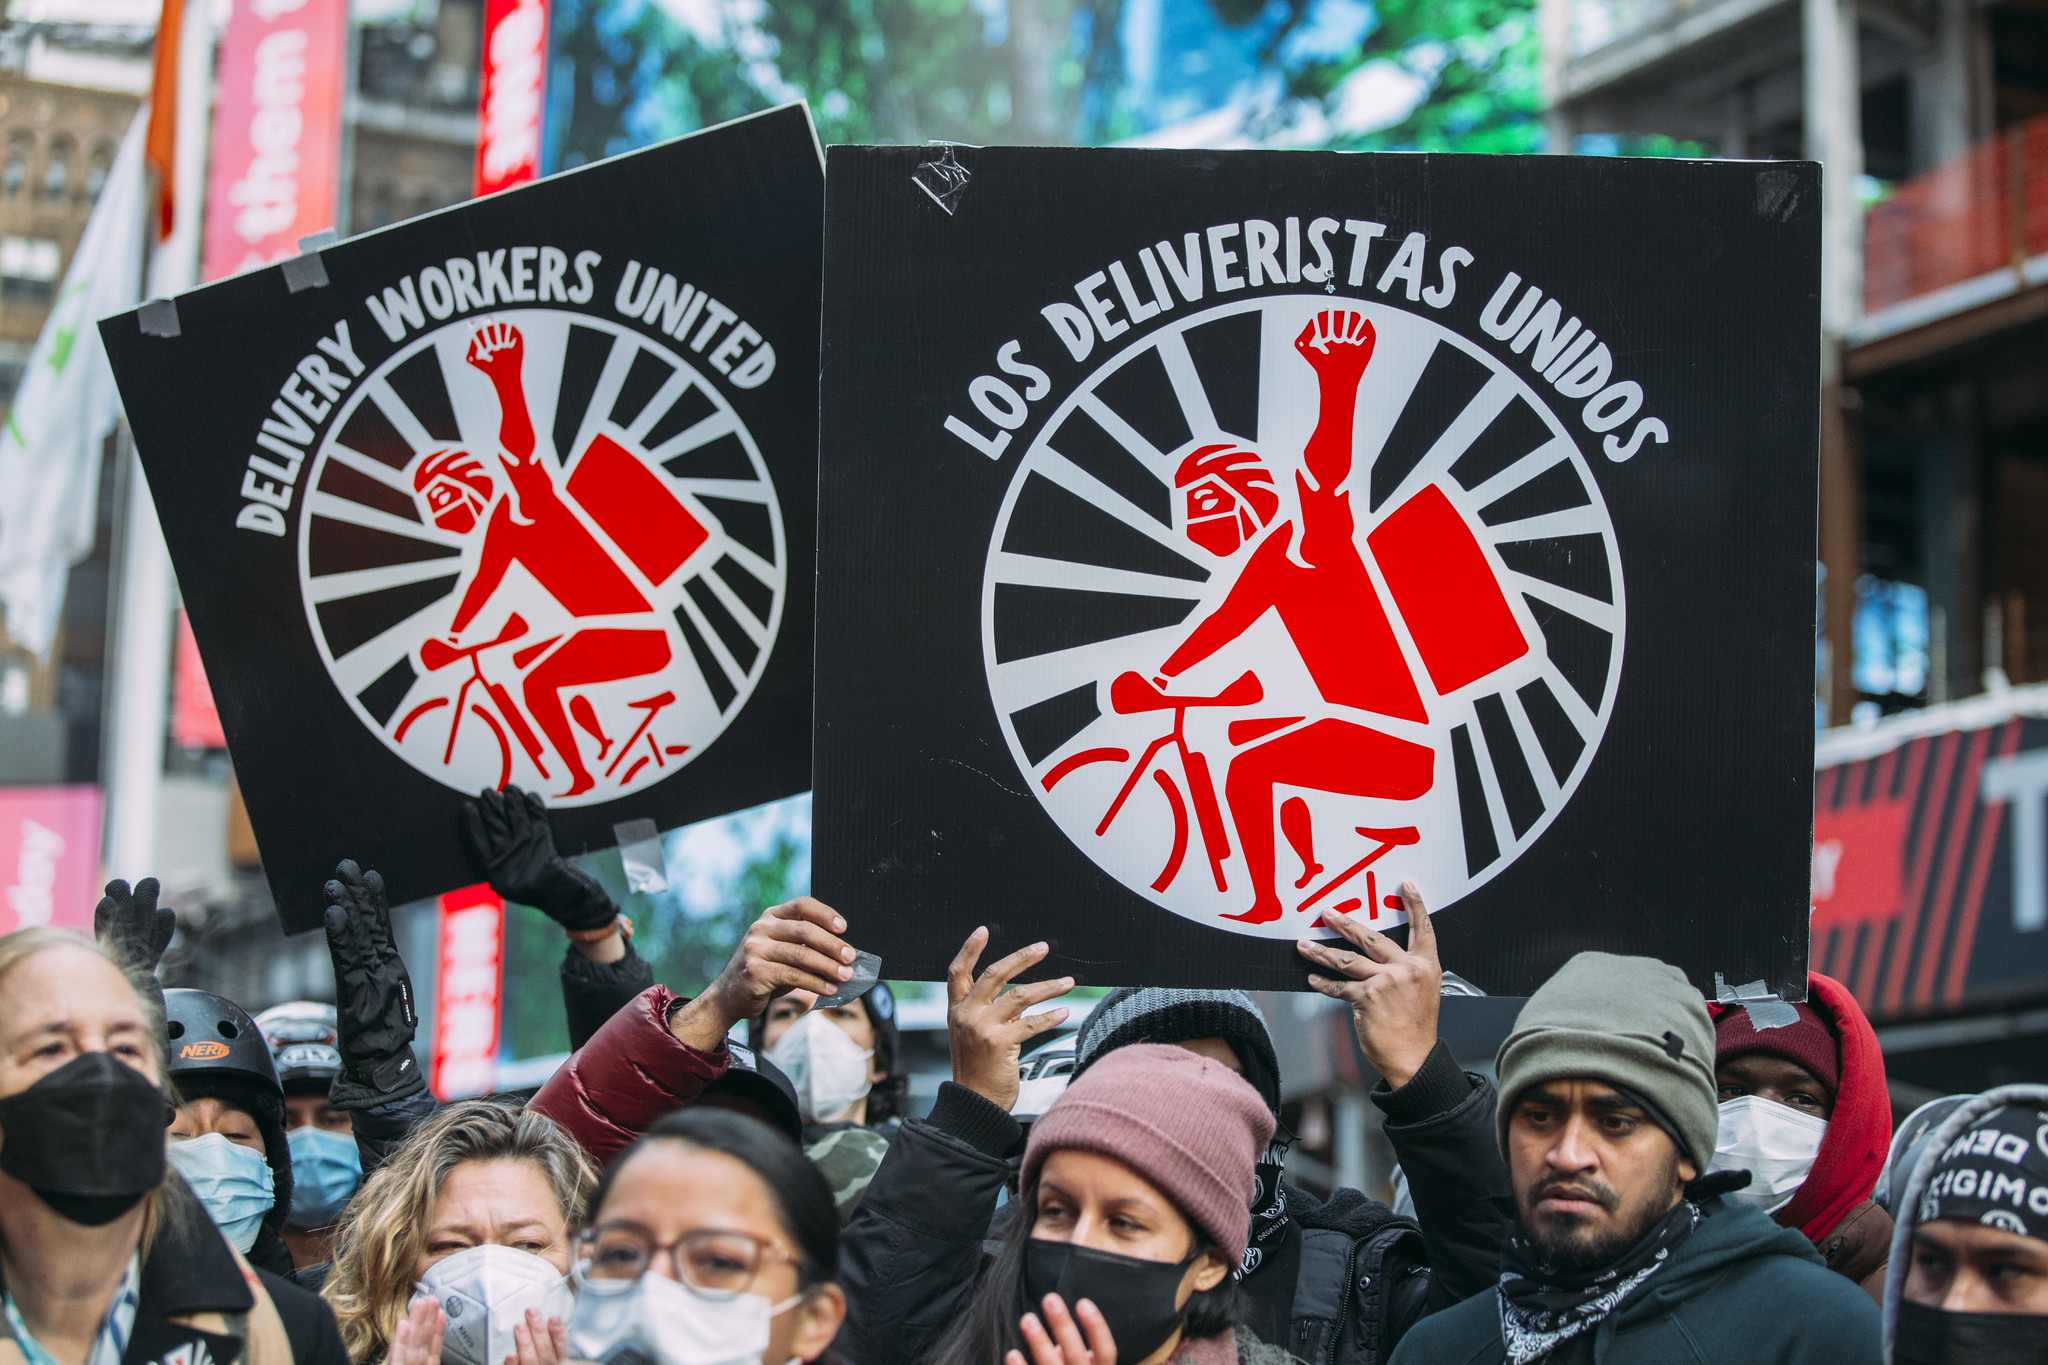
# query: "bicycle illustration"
498, 712
1131, 694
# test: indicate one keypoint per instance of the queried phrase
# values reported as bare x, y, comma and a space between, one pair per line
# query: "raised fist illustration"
497, 349
1337, 345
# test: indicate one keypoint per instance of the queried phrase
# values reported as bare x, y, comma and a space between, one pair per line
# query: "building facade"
1932, 117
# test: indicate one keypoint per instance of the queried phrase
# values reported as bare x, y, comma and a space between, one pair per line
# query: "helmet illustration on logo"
457, 488
1228, 499
542, 548
1313, 597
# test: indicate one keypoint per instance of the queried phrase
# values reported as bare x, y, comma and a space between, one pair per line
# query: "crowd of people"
733, 1179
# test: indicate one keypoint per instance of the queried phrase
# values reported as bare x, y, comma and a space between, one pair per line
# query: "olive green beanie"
1633, 1022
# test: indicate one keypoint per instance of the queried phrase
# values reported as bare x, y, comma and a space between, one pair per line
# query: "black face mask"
88, 1138
1935, 1336
1137, 1298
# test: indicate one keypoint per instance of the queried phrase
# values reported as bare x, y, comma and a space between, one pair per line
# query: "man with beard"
1622, 1253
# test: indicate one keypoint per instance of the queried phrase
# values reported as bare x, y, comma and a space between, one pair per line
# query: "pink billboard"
275, 169
49, 856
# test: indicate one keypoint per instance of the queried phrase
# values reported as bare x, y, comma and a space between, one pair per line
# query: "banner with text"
1288, 525
276, 162
520, 492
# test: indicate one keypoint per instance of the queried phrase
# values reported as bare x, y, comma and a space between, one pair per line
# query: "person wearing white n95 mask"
486, 1292
829, 1070
1774, 1142
708, 1244
1805, 1109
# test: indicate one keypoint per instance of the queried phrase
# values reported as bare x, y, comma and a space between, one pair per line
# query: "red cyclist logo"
543, 549
1302, 575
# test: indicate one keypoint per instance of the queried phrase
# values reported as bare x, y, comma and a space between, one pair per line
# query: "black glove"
131, 927
374, 1005
508, 835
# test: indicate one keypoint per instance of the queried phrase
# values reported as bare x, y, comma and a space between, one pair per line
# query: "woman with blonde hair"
104, 1252
474, 1212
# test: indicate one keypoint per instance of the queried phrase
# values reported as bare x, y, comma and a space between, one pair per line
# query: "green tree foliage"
624, 74
687, 950
1476, 58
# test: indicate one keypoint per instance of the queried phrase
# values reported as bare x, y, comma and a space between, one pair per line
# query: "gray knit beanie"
1162, 1014
1633, 1022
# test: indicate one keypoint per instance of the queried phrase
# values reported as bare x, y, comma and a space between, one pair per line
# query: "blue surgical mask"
232, 1182
326, 1168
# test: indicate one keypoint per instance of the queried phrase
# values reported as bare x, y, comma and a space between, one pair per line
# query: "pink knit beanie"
1190, 1125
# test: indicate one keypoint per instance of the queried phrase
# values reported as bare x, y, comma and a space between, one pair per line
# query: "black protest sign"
1210, 542
520, 492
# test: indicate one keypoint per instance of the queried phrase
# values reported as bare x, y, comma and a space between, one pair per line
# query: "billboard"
276, 162
1930, 856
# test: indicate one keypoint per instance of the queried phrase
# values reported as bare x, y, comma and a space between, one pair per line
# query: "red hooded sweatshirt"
1859, 1132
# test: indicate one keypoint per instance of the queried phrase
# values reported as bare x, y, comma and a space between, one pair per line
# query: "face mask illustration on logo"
88, 1138
232, 1182
485, 1291
660, 1321
828, 1069
1331, 604
326, 1168
585, 666
1774, 1142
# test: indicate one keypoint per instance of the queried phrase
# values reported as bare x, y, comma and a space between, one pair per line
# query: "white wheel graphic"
539, 548
1264, 649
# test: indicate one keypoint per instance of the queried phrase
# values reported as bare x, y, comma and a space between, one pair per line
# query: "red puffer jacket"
630, 1073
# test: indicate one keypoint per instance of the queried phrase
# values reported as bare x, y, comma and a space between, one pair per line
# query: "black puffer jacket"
1339, 1286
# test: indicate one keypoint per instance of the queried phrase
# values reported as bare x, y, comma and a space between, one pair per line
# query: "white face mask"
660, 1321
1774, 1142
828, 1069
485, 1291
233, 1182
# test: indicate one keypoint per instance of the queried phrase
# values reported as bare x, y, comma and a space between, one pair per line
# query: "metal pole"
141, 658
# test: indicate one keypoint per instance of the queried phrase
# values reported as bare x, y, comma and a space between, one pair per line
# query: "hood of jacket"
1954, 1126
1852, 1154
1728, 1233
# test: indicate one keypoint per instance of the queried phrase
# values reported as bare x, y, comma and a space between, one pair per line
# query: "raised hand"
129, 924
986, 1026
508, 835
1065, 1344
418, 1338
376, 1019
1337, 344
497, 349
1393, 991
794, 946
539, 1340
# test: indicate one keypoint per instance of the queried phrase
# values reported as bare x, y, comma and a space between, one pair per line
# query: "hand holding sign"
1393, 992
986, 1026
793, 947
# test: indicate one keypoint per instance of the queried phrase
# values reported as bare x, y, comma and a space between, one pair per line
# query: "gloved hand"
374, 1003
129, 924
508, 835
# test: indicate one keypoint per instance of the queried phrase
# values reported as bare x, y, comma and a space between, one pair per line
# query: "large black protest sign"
519, 492
1209, 542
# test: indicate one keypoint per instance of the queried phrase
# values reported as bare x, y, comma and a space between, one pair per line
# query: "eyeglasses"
717, 1264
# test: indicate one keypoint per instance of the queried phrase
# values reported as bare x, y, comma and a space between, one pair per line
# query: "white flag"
50, 445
